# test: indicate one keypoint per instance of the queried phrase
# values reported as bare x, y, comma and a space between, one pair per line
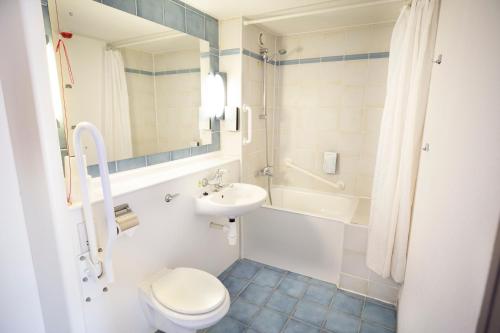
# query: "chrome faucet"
267, 171
216, 180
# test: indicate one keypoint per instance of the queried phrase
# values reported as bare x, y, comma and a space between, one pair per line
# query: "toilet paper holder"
125, 219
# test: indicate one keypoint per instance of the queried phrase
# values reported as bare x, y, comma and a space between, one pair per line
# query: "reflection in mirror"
138, 81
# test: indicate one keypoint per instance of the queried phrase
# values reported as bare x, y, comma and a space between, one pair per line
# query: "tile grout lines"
330, 308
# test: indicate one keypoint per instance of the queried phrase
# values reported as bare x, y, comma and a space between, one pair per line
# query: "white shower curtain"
410, 62
116, 116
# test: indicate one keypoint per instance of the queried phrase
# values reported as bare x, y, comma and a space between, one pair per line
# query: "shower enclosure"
320, 92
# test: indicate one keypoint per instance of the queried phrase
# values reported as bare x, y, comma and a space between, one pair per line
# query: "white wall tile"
353, 263
355, 238
383, 292
354, 284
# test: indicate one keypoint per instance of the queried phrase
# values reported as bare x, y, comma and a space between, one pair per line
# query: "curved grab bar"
104, 266
249, 112
338, 185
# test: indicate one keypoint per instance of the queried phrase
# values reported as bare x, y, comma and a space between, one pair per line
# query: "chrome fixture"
170, 196
216, 180
264, 52
267, 171
438, 60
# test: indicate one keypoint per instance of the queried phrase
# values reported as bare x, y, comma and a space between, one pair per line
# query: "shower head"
274, 56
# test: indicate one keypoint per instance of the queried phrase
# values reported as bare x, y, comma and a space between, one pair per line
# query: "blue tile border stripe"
356, 56
229, 52
180, 18
160, 73
343, 57
378, 55
138, 71
153, 159
310, 60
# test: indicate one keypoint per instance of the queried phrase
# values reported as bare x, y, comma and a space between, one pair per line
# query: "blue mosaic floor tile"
292, 287
227, 325
244, 270
339, 322
268, 278
269, 321
282, 303
276, 269
369, 328
384, 304
251, 330
324, 284
234, 285
299, 277
270, 300
319, 294
311, 313
379, 314
256, 294
348, 303
294, 326
243, 311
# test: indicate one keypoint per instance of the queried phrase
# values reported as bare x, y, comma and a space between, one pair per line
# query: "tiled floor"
266, 299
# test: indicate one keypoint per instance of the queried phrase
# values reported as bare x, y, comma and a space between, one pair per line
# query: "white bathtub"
316, 234
338, 207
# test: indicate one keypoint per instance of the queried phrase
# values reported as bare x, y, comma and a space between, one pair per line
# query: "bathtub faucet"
267, 171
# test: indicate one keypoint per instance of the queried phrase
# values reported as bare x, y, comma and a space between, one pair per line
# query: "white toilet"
183, 300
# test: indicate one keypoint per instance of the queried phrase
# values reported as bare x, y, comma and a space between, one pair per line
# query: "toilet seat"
189, 291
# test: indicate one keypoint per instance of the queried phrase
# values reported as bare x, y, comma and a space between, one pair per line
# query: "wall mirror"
138, 81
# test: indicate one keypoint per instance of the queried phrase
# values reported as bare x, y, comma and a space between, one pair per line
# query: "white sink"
232, 201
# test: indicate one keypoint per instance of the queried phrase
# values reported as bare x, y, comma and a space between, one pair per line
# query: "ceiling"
258, 9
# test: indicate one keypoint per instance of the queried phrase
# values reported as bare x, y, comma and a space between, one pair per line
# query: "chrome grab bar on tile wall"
339, 185
98, 265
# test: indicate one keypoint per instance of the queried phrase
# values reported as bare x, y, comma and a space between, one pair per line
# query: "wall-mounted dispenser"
330, 162
231, 118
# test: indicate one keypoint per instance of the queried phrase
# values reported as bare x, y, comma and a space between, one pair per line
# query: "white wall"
20, 298
230, 37
331, 106
457, 210
169, 235
35, 149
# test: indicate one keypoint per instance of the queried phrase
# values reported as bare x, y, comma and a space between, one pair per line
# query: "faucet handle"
221, 172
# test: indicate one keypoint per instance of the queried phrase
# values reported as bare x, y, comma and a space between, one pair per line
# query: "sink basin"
232, 201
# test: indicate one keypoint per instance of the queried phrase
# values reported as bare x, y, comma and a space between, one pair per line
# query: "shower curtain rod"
144, 40
322, 11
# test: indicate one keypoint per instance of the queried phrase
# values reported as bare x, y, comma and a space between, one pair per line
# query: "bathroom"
263, 167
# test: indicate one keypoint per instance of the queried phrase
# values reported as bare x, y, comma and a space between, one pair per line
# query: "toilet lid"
189, 291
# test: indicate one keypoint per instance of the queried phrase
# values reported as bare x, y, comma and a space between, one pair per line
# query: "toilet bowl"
183, 300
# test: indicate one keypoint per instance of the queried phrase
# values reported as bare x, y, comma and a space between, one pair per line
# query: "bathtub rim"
301, 212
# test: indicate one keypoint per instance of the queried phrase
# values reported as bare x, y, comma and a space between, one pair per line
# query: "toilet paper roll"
127, 221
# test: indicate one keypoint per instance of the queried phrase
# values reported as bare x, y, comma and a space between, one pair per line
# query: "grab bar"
339, 185
97, 265
249, 112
